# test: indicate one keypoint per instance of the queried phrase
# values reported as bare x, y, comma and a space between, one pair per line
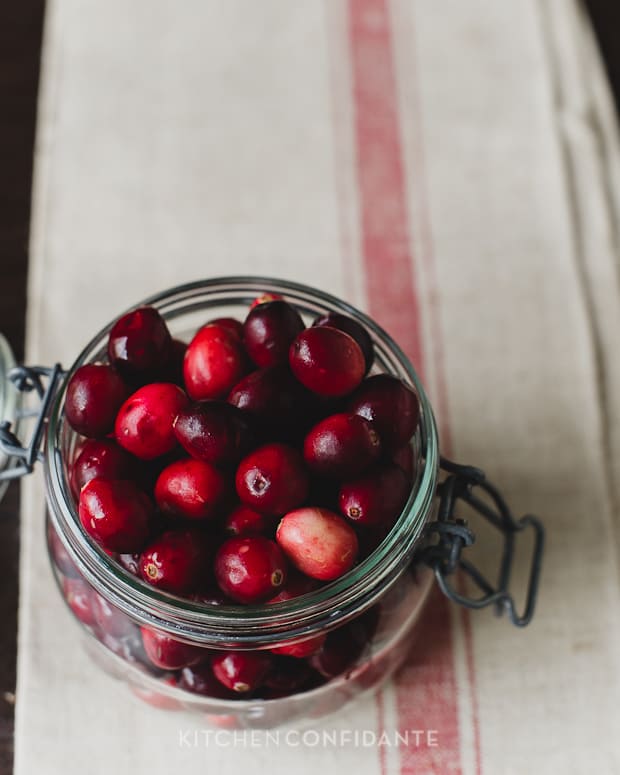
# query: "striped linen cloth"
450, 167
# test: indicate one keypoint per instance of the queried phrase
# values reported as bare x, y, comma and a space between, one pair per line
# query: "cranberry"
130, 562
344, 646
250, 569
390, 405
111, 622
167, 652
158, 699
214, 362
318, 542
232, 325
139, 342
94, 396
296, 584
288, 675
269, 330
301, 649
211, 595
241, 671
214, 431
327, 361
101, 459
173, 370
352, 328
341, 446
404, 457
377, 498
264, 298
272, 479
200, 680
243, 521
176, 561
191, 489
79, 599
116, 514
144, 425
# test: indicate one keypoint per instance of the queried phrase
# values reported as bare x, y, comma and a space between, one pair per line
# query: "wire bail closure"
453, 535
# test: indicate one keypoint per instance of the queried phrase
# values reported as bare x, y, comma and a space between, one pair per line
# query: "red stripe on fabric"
426, 692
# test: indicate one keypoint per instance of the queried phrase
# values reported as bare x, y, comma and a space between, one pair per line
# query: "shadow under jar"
366, 619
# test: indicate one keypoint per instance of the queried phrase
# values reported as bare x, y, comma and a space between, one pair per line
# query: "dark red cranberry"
173, 370
200, 680
241, 671
352, 328
79, 598
338, 654
130, 562
116, 513
390, 405
377, 497
167, 652
214, 362
211, 595
264, 298
94, 396
327, 361
232, 325
111, 622
404, 457
214, 431
318, 542
341, 446
176, 561
62, 561
288, 675
301, 649
296, 584
269, 330
250, 569
272, 479
139, 342
101, 459
244, 521
144, 425
191, 489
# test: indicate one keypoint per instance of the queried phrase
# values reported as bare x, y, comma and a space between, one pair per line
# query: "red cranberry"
101, 459
327, 361
269, 330
264, 298
79, 598
344, 646
377, 498
318, 542
404, 457
301, 649
116, 514
173, 370
214, 362
200, 680
139, 342
191, 489
232, 325
144, 425
94, 396
167, 652
272, 479
296, 584
176, 561
211, 595
352, 328
214, 431
390, 405
250, 569
244, 521
111, 622
241, 671
341, 446
288, 675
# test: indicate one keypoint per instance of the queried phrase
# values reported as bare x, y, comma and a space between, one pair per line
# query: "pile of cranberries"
250, 466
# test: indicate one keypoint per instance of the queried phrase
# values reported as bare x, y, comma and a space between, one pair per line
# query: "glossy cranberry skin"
301, 649
241, 671
244, 521
116, 513
391, 406
250, 569
377, 497
167, 652
101, 459
200, 680
214, 362
264, 298
341, 446
94, 396
327, 361
173, 370
287, 675
144, 425
214, 431
139, 342
269, 330
232, 325
191, 489
318, 542
296, 584
176, 561
79, 599
272, 479
353, 329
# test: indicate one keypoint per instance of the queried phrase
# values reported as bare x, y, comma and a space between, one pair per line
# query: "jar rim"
220, 625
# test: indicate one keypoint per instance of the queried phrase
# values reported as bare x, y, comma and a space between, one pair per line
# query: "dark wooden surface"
20, 43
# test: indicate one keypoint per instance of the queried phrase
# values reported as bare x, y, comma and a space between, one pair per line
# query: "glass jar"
368, 615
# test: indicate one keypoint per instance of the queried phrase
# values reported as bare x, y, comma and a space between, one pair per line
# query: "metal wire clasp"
450, 535
22, 458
